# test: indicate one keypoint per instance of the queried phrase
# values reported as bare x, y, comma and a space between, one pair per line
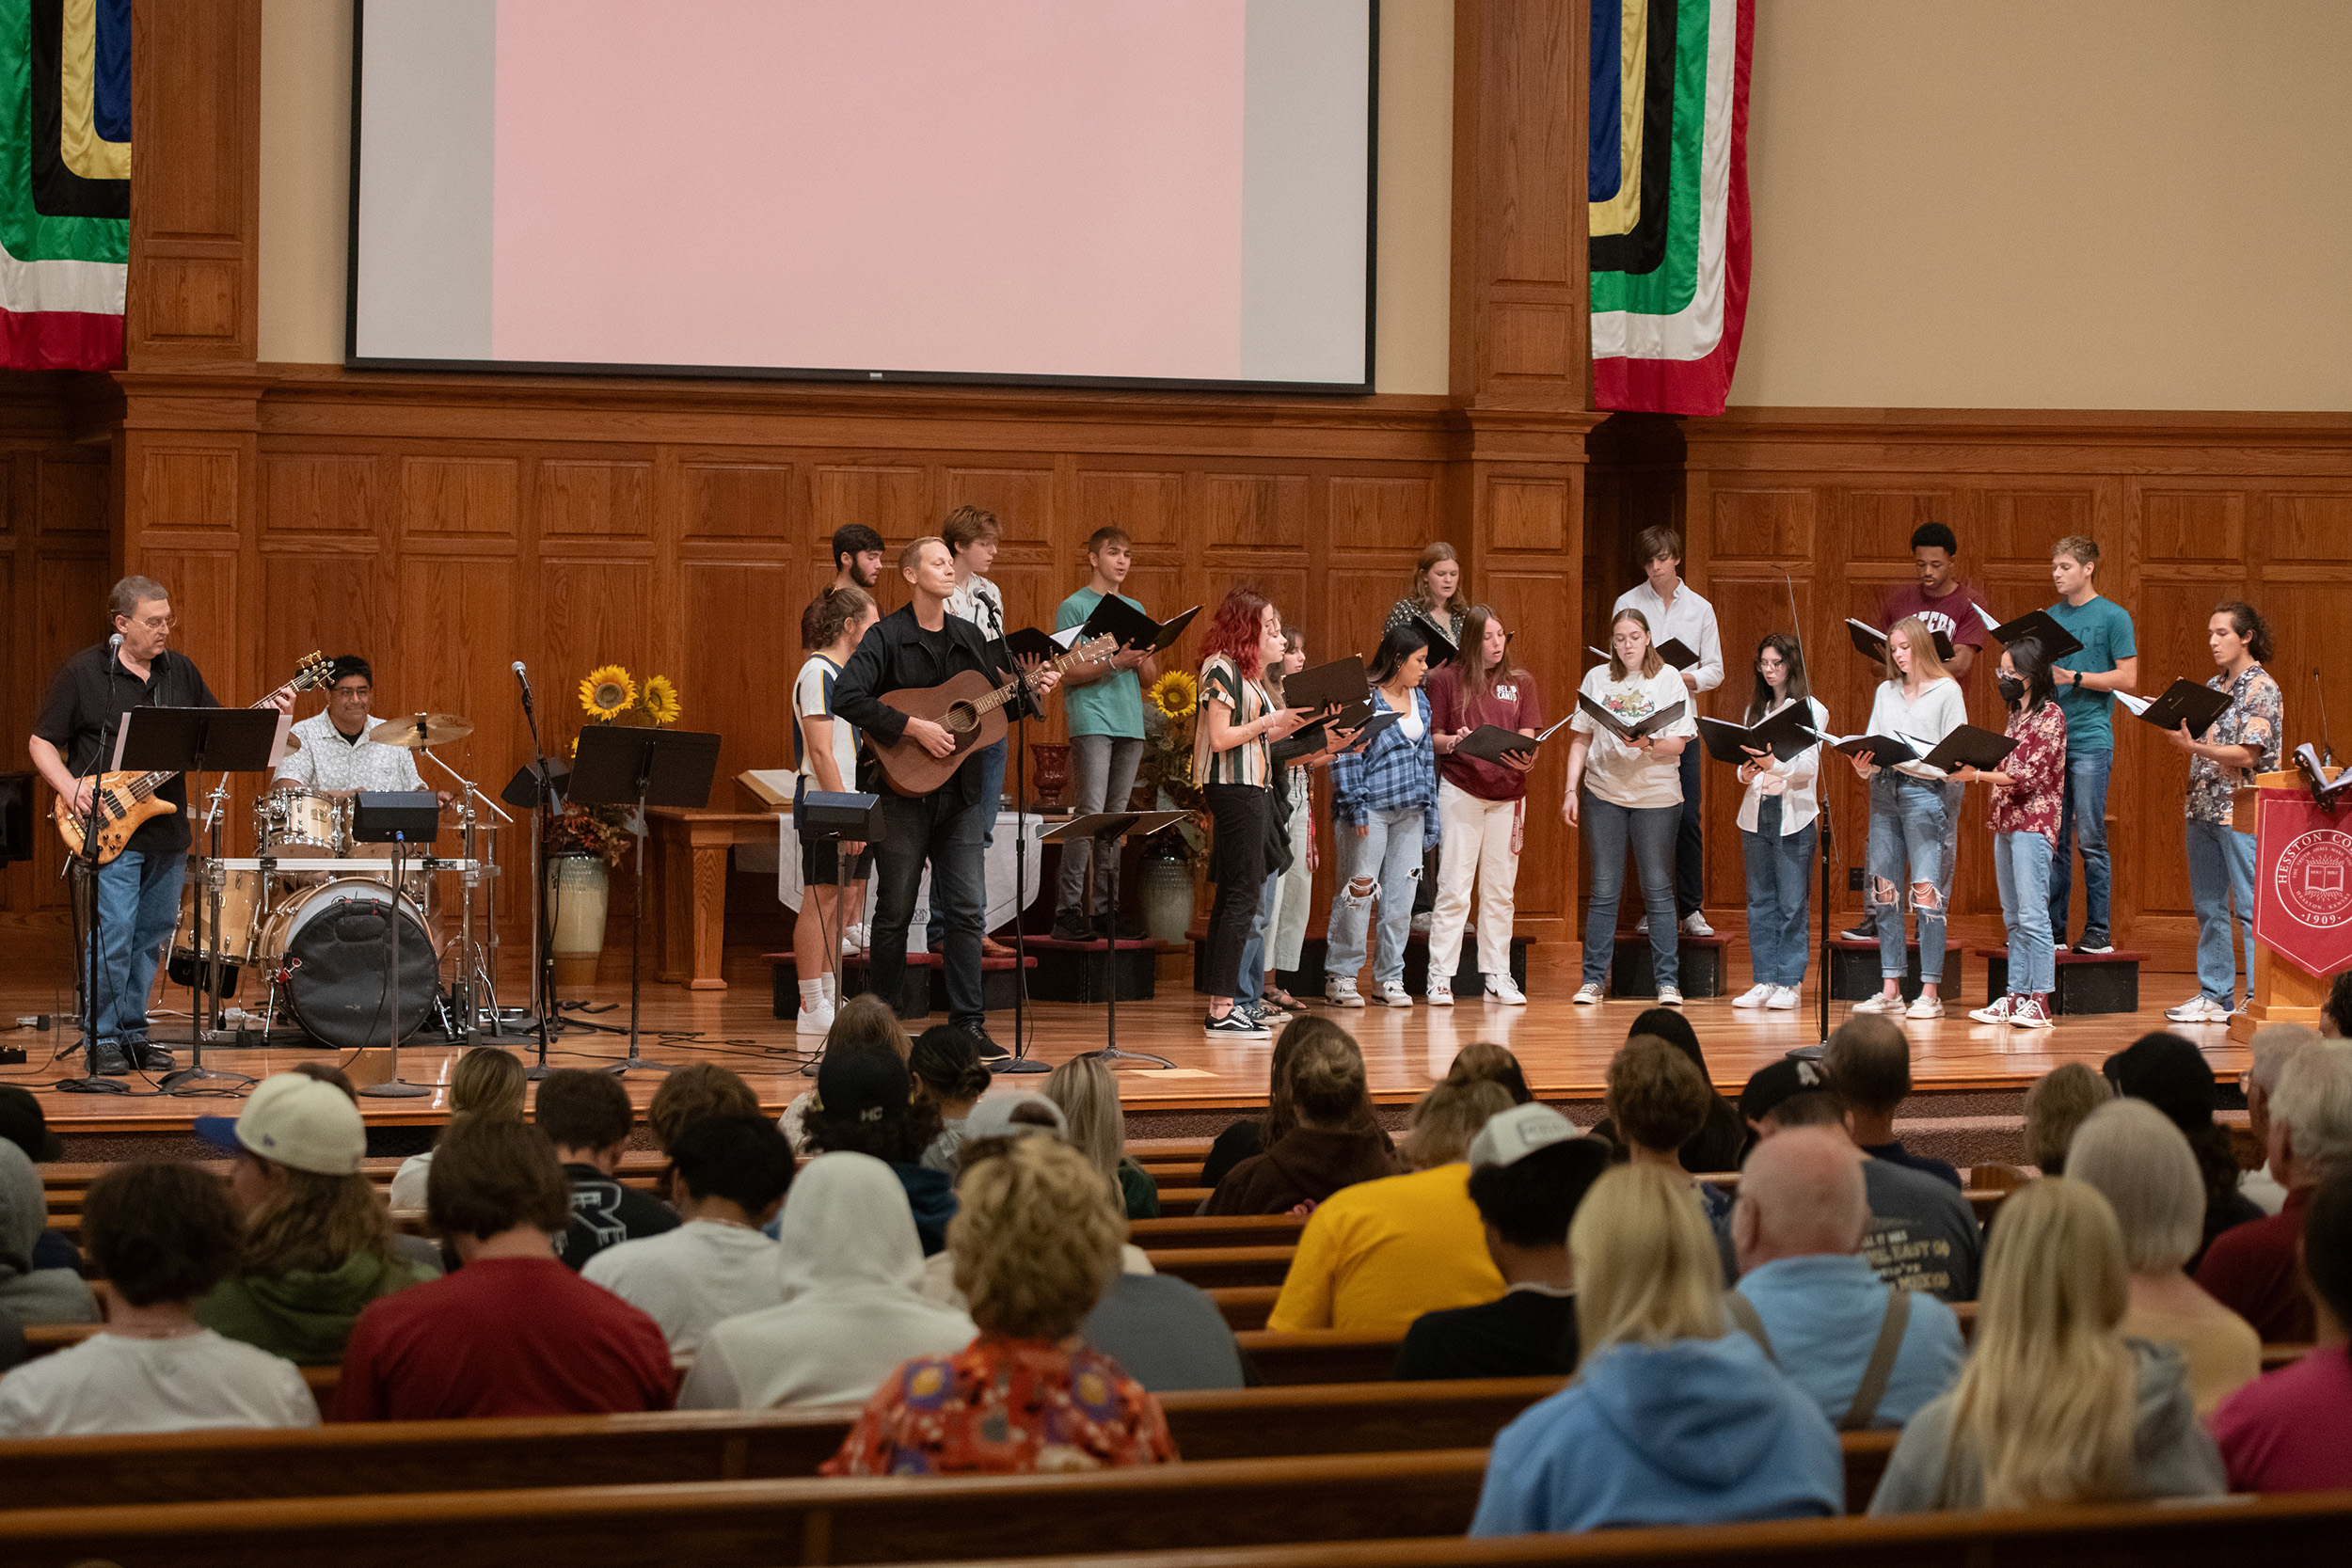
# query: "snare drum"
293, 821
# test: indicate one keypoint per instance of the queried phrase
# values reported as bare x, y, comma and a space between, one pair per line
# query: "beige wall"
306, 163
2050, 203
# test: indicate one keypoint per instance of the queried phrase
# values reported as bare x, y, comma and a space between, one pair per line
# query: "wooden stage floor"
1564, 1049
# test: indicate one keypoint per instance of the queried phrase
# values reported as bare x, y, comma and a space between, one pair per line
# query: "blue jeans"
1609, 829
991, 766
1780, 882
2021, 867
952, 839
2084, 818
1250, 987
2220, 871
138, 904
1388, 856
1907, 821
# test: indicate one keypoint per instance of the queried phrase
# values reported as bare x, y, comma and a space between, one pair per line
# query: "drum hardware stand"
473, 982
536, 785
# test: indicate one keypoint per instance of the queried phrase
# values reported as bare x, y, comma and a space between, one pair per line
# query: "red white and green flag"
64, 182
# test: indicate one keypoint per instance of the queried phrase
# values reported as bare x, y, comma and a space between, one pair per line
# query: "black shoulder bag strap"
1873, 1389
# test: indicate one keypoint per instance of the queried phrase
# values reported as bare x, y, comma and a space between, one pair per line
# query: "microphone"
2320, 690
525, 681
114, 647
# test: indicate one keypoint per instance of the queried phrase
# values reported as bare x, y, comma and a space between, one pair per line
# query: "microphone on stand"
525, 680
2326, 747
114, 645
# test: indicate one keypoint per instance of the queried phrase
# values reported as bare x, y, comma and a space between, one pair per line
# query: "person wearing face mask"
1918, 704
1777, 828
2028, 792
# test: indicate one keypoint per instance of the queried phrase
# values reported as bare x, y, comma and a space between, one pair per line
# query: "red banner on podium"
2303, 892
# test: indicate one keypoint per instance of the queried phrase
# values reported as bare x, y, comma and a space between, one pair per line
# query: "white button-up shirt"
328, 761
1690, 618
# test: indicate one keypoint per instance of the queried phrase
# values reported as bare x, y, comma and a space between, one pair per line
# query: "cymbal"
421, 729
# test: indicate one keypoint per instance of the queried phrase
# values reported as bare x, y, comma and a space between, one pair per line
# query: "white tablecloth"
999, 871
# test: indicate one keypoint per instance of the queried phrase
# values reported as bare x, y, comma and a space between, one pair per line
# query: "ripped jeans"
1907, 820
1383, 864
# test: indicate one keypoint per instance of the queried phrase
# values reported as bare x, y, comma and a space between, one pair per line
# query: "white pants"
1474, 840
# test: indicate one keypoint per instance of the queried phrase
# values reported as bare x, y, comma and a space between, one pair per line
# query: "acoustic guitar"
970, 709
123, 800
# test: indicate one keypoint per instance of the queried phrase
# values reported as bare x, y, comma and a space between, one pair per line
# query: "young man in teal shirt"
2108, 662
1105, 703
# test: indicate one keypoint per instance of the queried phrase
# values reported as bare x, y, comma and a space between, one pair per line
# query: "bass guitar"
970, 709
123, 800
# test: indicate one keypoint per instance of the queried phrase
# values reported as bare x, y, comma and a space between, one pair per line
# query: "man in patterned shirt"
2244, 741
335, 757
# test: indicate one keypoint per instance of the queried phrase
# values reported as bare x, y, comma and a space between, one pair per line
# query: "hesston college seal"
2315, 878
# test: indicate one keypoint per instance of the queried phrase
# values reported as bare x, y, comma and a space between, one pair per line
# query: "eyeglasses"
157, 623
351, 691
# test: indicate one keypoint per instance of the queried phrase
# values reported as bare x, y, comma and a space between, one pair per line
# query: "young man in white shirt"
972, 533
1674, 612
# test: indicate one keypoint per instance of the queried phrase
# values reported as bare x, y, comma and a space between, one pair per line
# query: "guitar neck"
146, 785
1004, 693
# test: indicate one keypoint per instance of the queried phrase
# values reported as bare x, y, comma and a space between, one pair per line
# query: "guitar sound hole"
960, 719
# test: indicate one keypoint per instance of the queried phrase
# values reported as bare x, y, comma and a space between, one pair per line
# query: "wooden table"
690, 868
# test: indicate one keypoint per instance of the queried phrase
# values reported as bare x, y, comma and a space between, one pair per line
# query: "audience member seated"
694, 1091
2172, 1074
853, 1304
866, 1104
1014, 1114
2290, 1431
1332, 1137
487, 1081
866, 1019
160, 1236
1258, 1134
1672, 1419
587, 1117
1377, 1255
945, 1065
23, 1124
317, 1240
2273, 1047
1870, 1061
1657, 1101
2142, 1164
1529, 1169
1722, 1139
1923, 1235
727, 1176
2055, 1405
2252, 1269
1088, 1092
1035, 1241
1493, 1064
30, 1295
1868, 1354
2061, 1101
515, 1331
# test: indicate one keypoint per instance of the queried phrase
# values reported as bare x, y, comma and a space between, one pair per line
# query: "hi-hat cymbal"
421, 729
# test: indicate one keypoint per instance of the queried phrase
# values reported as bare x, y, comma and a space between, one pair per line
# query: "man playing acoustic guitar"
922, 645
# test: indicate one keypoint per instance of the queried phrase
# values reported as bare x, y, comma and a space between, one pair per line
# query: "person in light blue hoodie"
1672, 1419
1868, 1354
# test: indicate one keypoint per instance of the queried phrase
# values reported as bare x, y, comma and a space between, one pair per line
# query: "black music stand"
399, 818
1108, 829
618, 767
829, 816
191, 740
538, 788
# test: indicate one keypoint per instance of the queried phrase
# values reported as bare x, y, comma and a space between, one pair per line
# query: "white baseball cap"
296, 1120
1511, 1136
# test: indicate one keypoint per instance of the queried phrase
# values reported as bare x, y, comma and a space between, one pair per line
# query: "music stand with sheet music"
620, 767
1108, 829
193, 740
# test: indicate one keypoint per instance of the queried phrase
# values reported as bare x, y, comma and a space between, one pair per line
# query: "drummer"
335, 757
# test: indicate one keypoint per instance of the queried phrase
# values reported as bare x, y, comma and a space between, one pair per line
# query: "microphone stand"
542, 940
2326, 747
1826, 843
1017, 739
90, 1082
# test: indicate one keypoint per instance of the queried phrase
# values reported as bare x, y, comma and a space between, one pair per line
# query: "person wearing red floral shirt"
2028, 794
1036, 1240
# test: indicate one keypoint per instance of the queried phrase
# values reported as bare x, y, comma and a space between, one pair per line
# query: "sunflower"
607, 692
1176, 694
659, 699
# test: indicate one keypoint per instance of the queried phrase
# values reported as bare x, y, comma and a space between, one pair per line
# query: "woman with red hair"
1233, 761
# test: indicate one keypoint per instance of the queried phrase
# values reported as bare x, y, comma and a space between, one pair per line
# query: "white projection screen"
1077, 191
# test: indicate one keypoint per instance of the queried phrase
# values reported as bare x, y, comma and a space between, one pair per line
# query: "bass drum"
327, 948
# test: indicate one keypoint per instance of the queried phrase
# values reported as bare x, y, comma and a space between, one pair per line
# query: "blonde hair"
2143, 1167
488, 1080
1924, 661
1651, 663
1448, 1117
2047, 1399
2057, 1105
1036, 1240
1646, 1269
912, 555
1088, 1092
868, 1020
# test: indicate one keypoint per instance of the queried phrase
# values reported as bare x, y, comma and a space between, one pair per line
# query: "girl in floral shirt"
2244, 741
2028, 793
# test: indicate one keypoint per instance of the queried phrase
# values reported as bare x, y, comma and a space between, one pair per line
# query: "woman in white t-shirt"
1777, 828
1910, 804
825, 757
1635, 795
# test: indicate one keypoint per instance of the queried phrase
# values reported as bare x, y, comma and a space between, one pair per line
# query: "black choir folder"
1489, 742
2184, 702
1339, 684
1618, 727
1787, 735
1965, 747
1440, 640
1871, 643
1133, 627
1675, 651
2039, 625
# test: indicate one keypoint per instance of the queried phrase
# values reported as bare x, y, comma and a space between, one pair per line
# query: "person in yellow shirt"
1377, 1255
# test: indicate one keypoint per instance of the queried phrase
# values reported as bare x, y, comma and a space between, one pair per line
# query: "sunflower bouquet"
610, 695
1171, 706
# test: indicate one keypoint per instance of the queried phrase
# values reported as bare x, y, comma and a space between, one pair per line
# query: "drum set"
310, 910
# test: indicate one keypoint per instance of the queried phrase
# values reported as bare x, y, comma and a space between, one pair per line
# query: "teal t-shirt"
1112, 705
2105, 631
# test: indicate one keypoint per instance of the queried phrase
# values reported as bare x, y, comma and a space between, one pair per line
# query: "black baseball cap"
1782, 1080
863, 1085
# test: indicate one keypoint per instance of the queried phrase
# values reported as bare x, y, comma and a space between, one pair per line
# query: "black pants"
1237, 862
1690, 846
948, 837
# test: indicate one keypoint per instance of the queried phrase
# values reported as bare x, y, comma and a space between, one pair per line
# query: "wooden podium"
2280, 991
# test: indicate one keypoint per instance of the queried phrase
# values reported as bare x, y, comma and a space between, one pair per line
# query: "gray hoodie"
29, 1295
2175, 1456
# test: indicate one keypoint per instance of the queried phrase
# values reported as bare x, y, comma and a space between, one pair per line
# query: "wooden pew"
1319, 1355
1204, 1230
1209, 1267
1245, 1306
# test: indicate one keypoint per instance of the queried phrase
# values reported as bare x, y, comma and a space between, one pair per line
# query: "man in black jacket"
922, 645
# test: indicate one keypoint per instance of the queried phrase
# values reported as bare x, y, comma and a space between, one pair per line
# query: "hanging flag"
1667, 181
64, 182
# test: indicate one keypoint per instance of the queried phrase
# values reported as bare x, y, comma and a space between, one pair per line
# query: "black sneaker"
1238, 1025
1860, 933
990, 1052
108, 1061
1071, 926
2095, 942
150, 1058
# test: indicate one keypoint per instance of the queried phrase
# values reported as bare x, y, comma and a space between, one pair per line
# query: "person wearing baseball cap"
23, 1124
866, 1104
1529, 1169
317, 1245
2172, 1074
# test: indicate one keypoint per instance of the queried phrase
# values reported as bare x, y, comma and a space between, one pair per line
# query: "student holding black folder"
2244, 741
1778, 823
1105, 703
2029, 791
1910, 804
1482, 805
1675, 612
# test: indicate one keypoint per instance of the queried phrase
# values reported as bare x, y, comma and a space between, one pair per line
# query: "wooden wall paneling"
1148, 503
740, 686
2308, 525
738, 498
196, 188
581, 498
450, 501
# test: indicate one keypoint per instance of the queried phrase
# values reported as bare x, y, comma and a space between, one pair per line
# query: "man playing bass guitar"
922, 645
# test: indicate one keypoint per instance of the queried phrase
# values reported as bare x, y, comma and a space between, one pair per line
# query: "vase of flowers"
585, 843
1171, 707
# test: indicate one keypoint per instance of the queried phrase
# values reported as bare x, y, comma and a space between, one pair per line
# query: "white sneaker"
1421, 922
1669, 997
1439, 996
1881, 1003
1927, 1006
1341, 993
1588, 994
1755, 996
1786, 999
1695, 925
853, 938
2198, 1009
1995, 1013
1394, 993
817, 1021
1506, 991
